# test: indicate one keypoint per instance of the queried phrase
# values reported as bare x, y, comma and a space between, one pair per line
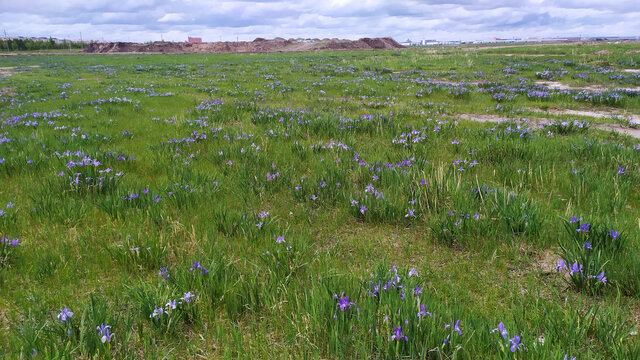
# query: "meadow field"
441, 203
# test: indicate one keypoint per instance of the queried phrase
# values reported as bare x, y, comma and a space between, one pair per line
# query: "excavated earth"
258, 45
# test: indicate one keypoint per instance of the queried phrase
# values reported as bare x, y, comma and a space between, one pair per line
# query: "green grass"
248, 196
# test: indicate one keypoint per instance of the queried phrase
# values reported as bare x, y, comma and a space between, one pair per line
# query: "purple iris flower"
65, 315
583, 228
575, 268
502, 330
343, 302
157, 313
423, 312
196, 266
456, 328
614, 234
398, 335
163, 273
188, 296
105, 334
515, 343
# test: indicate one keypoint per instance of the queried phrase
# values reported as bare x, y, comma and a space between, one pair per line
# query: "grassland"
321, 205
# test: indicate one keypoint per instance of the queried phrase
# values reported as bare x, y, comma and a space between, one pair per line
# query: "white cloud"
172, 17
144, 20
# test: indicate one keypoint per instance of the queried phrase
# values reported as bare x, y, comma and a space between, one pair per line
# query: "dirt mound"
258, 45
635, 51
603, 52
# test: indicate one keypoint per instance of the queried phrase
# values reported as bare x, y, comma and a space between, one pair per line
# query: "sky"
216, 20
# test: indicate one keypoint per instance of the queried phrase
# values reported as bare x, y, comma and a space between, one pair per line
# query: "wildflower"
363, 209
621, 170
105, 334
413, 272
188, 296
567, 358
423, 312
502, 330
171, 305
417, 290
561, 265
280, 239
398, 335
601, 277
575, 268
343, 302
157, 312
613, 234
456, 328
196, 266
515, 343
583, 228
587, 246
411, 213
574, 219
163, 273
65, 315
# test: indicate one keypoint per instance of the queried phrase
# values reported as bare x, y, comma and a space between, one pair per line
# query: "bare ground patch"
590, 113
10, 70
635, 133
489, 118
8, 91
556, 85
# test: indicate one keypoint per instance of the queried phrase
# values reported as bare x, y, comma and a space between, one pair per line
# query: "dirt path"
635, 133
10, 70
9, 91
488, 118
556, 85
529, 55
595, 114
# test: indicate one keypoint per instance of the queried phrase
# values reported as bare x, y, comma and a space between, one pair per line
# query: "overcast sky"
214, 20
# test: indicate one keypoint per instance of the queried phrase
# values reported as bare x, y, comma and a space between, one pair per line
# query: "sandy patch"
631, 70
485, 118
556, 85
595, 114
490, 118
10, 70
8, 91
603, 52
529, 55
635, 133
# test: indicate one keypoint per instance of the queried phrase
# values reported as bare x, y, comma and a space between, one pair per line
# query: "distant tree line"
31, 44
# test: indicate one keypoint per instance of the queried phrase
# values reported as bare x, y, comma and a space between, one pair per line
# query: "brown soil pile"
603, 52
258, 45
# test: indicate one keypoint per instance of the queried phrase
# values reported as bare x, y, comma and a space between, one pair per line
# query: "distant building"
194, 39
